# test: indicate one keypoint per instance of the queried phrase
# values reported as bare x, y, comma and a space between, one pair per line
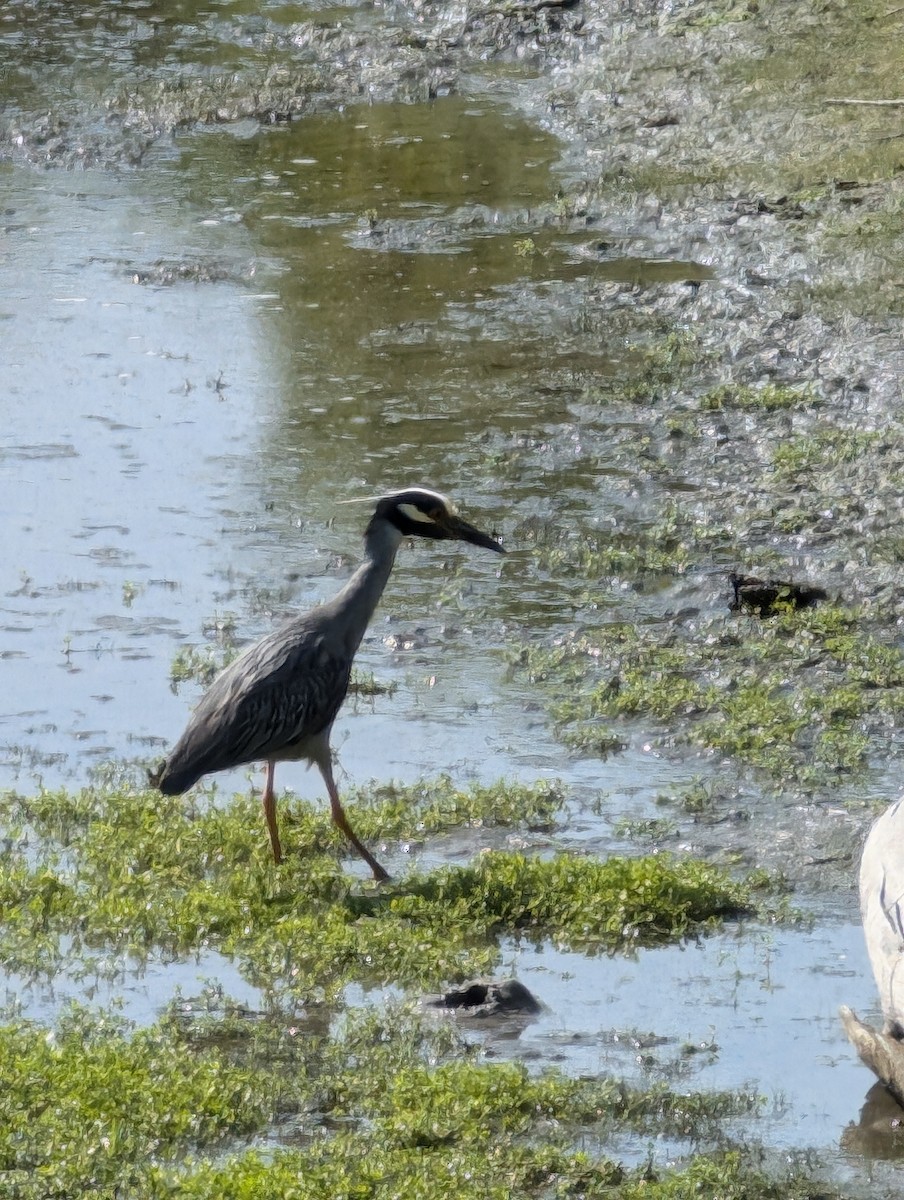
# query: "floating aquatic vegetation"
126, 872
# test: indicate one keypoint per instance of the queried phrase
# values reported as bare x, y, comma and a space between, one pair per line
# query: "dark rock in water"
766, 597
490, 998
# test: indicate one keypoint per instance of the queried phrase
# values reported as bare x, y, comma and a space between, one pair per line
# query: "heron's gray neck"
356, 602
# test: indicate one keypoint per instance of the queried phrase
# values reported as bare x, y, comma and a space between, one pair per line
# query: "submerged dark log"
766, 597
490, 998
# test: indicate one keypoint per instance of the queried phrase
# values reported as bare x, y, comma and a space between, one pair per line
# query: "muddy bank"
701, 134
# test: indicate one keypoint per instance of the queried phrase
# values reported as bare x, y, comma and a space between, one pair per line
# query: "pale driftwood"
882, 1053
869, 103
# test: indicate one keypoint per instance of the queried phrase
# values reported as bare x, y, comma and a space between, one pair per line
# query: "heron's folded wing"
279, 692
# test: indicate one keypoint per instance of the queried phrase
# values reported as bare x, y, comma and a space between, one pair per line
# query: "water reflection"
741, 1010
415, 282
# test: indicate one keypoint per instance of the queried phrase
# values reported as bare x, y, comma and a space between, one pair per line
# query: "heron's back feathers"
282, 693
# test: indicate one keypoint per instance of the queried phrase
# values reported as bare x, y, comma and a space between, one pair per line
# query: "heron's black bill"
469, 533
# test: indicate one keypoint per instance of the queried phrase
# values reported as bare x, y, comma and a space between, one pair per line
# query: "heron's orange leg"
380, 873
269, 802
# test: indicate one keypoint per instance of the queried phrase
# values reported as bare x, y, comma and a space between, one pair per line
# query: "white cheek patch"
413, 513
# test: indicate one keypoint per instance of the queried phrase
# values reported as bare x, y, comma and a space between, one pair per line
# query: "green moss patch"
215, 1101
387, 1105
87, 1106
770, 397
128, 871
801, 697
664, 546
495, 1175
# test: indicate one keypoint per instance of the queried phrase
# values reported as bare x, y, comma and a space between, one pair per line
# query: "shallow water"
201, 359
177, 459
136, 991
748, 1009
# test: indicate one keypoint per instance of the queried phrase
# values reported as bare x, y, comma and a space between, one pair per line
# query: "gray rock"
489, 998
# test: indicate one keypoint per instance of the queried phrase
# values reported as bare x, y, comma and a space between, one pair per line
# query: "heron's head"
418, 512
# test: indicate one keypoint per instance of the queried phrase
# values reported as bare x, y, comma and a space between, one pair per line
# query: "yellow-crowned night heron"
279, 699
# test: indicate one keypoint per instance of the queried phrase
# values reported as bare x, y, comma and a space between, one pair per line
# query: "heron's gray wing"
282, 690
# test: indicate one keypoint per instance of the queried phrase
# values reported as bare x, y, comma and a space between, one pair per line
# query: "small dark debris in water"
166, 274
847, 185
660, 121
490, 998
766, 597
689, 1049
634, 1039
